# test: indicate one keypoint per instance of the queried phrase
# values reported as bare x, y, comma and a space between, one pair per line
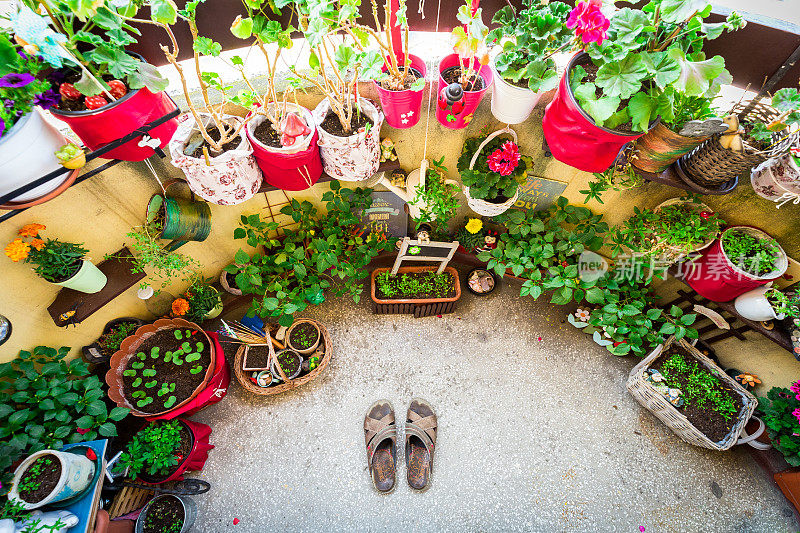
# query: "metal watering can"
183, 219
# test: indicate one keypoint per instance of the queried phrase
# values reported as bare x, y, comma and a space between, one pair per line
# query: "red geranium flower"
505, 159
589, 23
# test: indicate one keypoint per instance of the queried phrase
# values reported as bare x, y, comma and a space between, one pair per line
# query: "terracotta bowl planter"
128, 349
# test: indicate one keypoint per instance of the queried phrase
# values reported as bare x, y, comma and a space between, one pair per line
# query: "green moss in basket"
756, 256
195, 370
698, 385
498, 171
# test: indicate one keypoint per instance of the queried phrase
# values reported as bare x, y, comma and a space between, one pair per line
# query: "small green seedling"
196, 369
192, 357
139, 394
142, 403
155, 353
168, 357
178, 335
186, 347
170, 402
136, 382
149, 372
138, 365
130, 372
151, 384
199, 346
140, 355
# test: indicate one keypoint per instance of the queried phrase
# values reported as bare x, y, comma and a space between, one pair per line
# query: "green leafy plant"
698, 385
437, 201
202, 298
784, 303
755, 255
469, 43
779, 413
498, 171
322, 253
53, 260
528, 39
46, 402
13, 510
152, 450
427, 284
765, 134
111, 341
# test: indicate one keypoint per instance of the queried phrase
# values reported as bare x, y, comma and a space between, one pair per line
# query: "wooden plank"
120, 279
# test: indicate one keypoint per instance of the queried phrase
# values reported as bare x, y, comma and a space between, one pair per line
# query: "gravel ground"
536, 433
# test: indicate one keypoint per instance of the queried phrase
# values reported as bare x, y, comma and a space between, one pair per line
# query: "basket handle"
486, 141
273, 358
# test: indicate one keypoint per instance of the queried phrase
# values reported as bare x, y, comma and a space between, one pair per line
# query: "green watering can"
182, 220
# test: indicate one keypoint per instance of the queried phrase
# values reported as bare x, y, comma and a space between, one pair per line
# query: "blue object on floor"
254, 323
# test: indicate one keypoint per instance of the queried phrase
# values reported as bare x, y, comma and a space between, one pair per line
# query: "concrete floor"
537, 433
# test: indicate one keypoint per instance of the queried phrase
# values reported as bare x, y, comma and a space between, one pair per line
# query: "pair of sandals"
380, 435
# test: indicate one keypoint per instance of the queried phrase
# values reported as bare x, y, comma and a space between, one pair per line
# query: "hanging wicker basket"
243, 376
653, 401
711, 165
483, 207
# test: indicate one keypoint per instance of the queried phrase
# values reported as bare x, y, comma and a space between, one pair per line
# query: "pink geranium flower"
589, 22
796, 414
505, 159
795, 388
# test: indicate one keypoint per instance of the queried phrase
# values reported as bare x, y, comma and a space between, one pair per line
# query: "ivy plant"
438, 201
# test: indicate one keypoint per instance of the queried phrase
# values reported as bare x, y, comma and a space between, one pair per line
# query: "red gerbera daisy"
505, 159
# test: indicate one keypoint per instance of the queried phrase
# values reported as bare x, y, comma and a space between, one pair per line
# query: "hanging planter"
227, 179
719, 277
511, 104
98, 127
402, 108
291, 168
178, 218
459, 114
352, 158
27, 152
657, 149
777, 179
572, 135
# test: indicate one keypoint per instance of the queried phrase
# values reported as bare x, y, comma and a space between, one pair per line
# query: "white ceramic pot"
511, 104
753, 305
76, 474
777, 179
353, 158
232, 178
88, 279
27, 152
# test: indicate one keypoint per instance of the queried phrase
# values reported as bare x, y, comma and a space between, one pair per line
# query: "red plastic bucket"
714, 276
572, 135
471, 98
288, 171
402, 108
196, 458
98, 127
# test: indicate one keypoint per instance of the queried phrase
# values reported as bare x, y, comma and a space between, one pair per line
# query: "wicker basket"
482, 207
710, 165
654, 402
243, 377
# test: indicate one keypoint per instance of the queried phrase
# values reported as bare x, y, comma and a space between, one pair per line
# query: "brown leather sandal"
380, 436
421, 424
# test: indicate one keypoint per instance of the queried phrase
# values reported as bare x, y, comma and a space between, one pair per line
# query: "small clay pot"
226, 284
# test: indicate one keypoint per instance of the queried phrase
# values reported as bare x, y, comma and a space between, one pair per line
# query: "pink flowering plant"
781, 410
498, 171
645, 63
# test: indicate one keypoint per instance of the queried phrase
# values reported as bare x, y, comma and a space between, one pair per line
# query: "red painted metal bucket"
471, 98
572, 135
716, 277
402, 108
195, 460
98, 127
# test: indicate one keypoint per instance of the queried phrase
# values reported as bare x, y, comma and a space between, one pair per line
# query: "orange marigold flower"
180, 307
31, 230
37, 243
17, 250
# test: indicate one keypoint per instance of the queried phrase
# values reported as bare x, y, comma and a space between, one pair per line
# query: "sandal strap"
415, 430
389, 432
374, 425
426, 423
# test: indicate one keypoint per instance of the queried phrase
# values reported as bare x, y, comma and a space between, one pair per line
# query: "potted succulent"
780, 409
769, 131
669, 232
348, 124
200, 302
109, 342
27, 142
492, 169
743, 258
303, 337
106, 92
323, 252
615, 88
291, 364
50, 476
60, 263
167, 513
523, 67
767, 303
465, 76
414, 287
161, 367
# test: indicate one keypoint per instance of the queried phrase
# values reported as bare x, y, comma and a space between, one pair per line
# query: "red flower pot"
288, 171
572, 135
402, 108
716, 277
471, 98
196, 458
98, 127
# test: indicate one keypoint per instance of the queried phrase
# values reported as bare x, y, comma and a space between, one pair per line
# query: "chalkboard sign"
539, 193
386, 215
414, 250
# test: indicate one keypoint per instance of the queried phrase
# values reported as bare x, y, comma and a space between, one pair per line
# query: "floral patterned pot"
353, 158
232, 178
777, 179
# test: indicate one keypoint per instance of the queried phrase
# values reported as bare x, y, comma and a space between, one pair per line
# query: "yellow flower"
31, 230
17, 250
37, 243
474, 225
180, 307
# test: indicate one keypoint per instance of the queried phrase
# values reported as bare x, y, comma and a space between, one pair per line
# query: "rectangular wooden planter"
421, 307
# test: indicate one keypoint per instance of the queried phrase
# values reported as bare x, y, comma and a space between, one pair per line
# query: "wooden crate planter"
653, 401
419, 308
